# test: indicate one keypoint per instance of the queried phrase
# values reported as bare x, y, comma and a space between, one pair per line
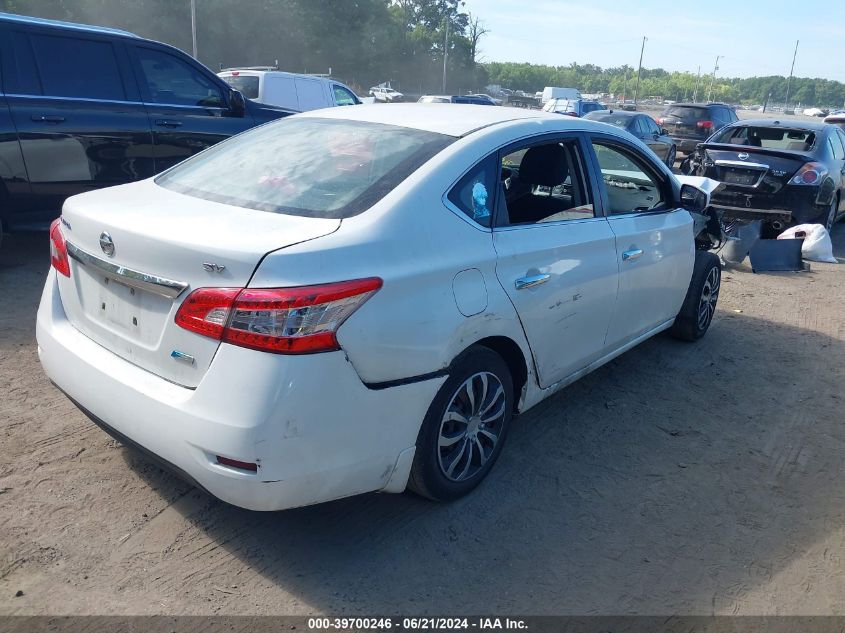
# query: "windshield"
318, 168
767, 137
247, 85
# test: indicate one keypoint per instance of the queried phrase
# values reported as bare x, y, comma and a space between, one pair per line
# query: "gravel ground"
680, 478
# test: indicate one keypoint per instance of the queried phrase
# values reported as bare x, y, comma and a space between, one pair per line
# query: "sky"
754, 37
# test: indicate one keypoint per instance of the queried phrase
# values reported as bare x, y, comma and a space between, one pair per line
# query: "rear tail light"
58, 249
809, 174
660, 121
707, 125
302, 320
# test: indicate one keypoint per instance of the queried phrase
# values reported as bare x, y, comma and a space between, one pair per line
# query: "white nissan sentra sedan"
361, 299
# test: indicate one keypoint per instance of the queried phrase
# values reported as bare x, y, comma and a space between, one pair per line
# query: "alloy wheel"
709, 297
471, 426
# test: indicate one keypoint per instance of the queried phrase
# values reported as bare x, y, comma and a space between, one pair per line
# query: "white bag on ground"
817, 246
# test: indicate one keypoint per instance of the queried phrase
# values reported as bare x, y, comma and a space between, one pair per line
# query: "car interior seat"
543, 168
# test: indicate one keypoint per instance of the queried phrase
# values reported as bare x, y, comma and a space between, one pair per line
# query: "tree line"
678, 86
364, 42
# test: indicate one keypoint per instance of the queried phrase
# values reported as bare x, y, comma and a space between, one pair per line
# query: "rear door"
556, 256
653, 237
187, 105
76, 107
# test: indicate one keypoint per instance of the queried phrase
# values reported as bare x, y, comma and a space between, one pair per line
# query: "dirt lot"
696, 479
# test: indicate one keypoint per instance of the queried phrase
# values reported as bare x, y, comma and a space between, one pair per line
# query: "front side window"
473, 194
545, 183
630, 185
311, 167
77, 67
343, 97
172, 81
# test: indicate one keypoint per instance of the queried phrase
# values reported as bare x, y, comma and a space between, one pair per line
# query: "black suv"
692, 123
85, 107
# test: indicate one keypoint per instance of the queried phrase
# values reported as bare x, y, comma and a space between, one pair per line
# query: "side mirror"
237, 102
693, 199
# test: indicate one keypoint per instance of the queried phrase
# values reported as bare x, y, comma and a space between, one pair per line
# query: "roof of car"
611, 112
24, 19
450, 119
697, 105
793, 124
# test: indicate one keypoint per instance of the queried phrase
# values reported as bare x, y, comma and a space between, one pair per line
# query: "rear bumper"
793, 204
315, 430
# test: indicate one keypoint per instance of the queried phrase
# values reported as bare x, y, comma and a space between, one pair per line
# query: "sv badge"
213, 268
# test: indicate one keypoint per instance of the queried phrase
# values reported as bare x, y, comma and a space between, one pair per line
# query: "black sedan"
644, 128
783, 172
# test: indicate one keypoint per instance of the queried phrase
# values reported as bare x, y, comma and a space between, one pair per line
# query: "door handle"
532, 280
47, 118
628, 256
167, 123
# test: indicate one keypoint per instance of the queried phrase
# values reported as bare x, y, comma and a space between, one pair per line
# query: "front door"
556, 257
189, 110
654, 241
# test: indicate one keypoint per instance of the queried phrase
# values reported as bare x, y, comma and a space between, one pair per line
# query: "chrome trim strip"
150, 104
143, 281
740, 163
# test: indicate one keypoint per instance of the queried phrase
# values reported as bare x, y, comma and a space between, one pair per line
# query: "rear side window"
473, 194
173, 81
836, 147
77, 67
247, 85
27, 74
311, 167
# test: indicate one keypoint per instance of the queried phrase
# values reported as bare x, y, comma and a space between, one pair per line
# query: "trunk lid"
751, 169
165, 244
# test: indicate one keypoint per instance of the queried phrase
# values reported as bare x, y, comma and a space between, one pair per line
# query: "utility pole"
445, 55
697, 81
194, 25
713, 78
789, 81
639, 70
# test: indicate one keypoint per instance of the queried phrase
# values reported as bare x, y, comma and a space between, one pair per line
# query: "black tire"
694, 318
428, 476
670, 157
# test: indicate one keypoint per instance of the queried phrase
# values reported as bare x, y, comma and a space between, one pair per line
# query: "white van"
552, 92
289, 90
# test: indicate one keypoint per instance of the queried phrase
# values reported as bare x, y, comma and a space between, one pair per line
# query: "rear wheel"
465, 427
699, 305
670, 157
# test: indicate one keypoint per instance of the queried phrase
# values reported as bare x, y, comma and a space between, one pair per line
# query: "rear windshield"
246, 84
686, 112
317, 168
767, 137
618, 121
